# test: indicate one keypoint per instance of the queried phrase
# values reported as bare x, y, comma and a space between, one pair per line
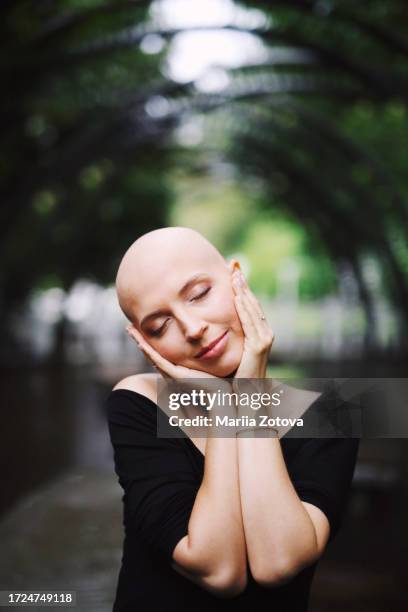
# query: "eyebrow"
184, 288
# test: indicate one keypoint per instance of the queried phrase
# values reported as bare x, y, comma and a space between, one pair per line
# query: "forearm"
215, 545
280, 536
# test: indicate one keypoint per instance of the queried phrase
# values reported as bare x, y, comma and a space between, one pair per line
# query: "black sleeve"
157, 478
322, 472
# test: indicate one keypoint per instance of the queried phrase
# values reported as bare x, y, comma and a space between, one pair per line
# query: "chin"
222, 370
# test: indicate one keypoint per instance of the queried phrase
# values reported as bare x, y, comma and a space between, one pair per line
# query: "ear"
233, 265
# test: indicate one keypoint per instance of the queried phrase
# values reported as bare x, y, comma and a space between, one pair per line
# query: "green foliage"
322, 133
82, 172
278, 257
231, 216
221, 210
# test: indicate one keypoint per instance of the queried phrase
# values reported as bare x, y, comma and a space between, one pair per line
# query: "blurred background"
277, 129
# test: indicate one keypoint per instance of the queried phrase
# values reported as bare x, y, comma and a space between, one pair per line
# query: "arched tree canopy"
87, 118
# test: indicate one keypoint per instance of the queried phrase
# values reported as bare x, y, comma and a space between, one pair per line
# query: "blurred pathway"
68, 535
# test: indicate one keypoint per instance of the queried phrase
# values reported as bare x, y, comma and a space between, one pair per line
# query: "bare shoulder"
145, 384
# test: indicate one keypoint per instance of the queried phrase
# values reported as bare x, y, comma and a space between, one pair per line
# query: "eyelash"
159, 331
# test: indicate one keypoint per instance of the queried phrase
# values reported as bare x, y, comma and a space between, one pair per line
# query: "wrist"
257, 432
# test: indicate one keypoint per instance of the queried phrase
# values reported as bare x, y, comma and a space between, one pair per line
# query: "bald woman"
229, 522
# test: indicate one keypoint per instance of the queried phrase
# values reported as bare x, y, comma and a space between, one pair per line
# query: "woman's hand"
162, 365
258, 335
171, 371
175, 372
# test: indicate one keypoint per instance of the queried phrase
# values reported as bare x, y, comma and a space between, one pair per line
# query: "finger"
244, 316
237, 281
238, 284
162, 364
256, 312
163, 373
265, 332
260, 320
255, 303
137, 336
253, 314
246, 290
249, 302
141, 342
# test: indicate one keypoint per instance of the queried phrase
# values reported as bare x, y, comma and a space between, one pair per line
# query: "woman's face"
183, 308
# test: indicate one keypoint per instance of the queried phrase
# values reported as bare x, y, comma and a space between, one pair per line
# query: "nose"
193, 328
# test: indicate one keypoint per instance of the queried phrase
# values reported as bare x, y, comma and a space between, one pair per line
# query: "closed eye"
158, 332
200, 295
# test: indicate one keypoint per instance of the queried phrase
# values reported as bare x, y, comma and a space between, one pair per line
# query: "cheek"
170, 347
224, 306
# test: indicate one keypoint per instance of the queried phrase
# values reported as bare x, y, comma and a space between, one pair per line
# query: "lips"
207, 348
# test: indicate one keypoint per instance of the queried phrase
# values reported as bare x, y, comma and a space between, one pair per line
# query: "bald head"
156, 257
